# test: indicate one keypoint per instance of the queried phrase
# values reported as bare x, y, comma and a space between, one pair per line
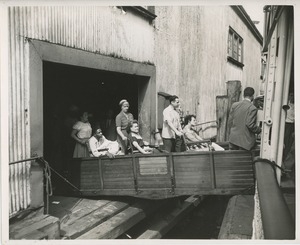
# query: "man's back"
243, 124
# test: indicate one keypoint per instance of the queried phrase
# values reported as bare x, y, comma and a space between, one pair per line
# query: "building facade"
94, 56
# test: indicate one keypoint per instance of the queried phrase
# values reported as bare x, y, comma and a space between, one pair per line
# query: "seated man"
191, 135
100, 146
138, 144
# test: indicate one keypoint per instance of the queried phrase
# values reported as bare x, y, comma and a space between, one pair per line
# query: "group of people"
242, 125
92, 143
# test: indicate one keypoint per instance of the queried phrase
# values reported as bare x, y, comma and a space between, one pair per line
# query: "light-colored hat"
122, 102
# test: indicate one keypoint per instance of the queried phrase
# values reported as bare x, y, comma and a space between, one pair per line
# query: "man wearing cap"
122, 121
172, 131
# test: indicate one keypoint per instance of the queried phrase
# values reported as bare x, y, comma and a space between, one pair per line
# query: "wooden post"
222, 116
233, 93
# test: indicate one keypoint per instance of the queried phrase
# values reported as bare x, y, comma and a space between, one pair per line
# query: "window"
235, 48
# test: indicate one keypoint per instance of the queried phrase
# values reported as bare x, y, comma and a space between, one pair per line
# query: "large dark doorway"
66, 87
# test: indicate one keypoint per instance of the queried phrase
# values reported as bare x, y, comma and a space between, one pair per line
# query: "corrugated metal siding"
103, 30
19, 131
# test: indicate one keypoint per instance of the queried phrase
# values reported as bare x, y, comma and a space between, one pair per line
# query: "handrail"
25, 160
277, 220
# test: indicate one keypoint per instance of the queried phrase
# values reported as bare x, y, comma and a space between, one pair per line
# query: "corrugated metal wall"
104, 30
19, 130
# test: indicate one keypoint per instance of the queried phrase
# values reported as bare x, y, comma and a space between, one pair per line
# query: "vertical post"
233, 93
222, 117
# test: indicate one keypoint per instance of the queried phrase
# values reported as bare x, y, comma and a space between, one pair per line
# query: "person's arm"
191, 137
169, 122
118, 126
93, 148
119, 131
140, 149
251, 121
74, 136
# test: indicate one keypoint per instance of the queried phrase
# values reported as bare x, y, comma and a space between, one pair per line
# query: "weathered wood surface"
40, 227
233, 93
161, 176
222, 103
123, 221
237, 221
159, 226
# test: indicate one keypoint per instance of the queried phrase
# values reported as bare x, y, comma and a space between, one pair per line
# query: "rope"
272, 163
47, 172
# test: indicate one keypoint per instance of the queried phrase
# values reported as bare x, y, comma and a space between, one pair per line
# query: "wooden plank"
159, 226
233, 93
35, 235
80, 226
48, 225
82, 209
121, 222
25, 222
222, 108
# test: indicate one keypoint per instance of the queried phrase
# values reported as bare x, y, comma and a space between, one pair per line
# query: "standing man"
242, 118
172, 131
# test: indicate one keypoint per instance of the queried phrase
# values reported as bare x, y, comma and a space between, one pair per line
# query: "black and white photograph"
171, 122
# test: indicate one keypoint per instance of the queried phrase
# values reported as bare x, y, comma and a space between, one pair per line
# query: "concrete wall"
191, 56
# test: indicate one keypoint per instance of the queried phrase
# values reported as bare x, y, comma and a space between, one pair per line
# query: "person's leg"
168, 144
235, 147
179, 144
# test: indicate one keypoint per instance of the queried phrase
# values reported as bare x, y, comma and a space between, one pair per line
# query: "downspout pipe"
277, 220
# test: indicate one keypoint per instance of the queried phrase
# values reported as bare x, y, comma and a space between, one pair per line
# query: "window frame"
235, 48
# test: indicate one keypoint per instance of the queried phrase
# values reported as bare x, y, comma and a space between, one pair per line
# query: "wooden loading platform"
109, 218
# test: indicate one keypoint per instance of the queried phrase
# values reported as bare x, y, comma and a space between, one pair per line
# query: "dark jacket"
242, 118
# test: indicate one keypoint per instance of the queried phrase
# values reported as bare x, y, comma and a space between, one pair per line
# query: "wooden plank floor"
91, 218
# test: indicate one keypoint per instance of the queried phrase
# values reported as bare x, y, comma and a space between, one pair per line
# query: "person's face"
125, 107
85, 117
98, 133
193, 121
175, 103
135, 128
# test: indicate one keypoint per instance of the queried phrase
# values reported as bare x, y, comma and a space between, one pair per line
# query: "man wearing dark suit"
242, 118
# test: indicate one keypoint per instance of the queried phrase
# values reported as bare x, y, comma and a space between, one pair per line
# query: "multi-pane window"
235, 46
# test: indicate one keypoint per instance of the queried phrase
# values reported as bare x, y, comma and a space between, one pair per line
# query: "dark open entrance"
97, 91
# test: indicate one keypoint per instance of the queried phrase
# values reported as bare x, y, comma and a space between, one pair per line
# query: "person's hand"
110, 155
146, 143
178, 133
83, 142
124, 138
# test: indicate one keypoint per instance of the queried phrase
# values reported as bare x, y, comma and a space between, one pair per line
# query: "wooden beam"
46, 224
233, 93
123, 221
91, 220
161, 225
222, 103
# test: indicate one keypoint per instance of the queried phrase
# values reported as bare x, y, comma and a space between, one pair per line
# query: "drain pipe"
277, 220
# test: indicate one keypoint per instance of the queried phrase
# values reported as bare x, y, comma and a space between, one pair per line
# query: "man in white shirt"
172, 131
100, 146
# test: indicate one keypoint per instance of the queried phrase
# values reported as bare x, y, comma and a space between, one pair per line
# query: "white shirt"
172, 116
95, 145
